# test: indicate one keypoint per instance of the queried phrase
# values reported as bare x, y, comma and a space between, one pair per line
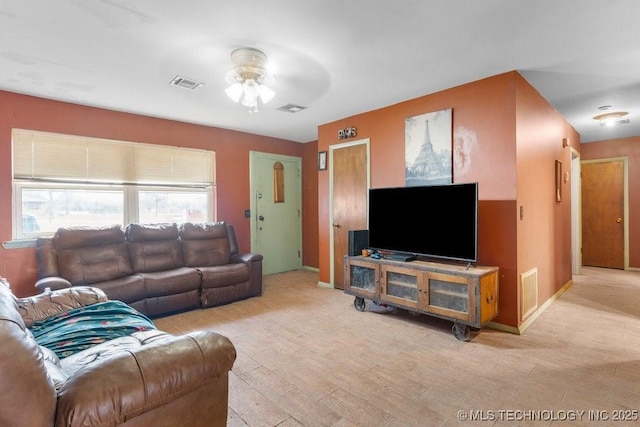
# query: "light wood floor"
307, 357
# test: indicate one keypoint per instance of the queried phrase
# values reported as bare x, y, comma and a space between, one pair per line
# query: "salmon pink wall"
630, 148
544, 231
485, 151
232, 157
310, 205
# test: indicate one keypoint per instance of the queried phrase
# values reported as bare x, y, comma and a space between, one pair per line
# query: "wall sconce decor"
322, 160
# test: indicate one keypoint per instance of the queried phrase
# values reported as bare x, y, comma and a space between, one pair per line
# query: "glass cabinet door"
361, 278
449, 296
400, 285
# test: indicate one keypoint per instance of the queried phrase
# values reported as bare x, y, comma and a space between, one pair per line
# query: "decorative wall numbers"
347, 133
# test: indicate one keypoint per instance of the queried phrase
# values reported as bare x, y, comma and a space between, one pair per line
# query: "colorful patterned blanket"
84, 327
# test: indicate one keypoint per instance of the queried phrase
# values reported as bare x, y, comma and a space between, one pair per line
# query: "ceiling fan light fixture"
611, 119
249, 78
266, 93
234, 92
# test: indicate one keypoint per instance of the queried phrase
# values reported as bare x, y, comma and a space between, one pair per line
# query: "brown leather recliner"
150, 378
155, 253
225, 275
155, 268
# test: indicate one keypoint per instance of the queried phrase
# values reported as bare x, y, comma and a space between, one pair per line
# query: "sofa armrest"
52, 283
254, 262
135, 382
43, 306
246, 258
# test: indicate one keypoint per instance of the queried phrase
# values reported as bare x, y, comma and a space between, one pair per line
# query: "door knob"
336, 225
619, 220
261, 218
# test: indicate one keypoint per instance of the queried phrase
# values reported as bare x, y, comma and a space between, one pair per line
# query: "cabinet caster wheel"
359, 303
461, 332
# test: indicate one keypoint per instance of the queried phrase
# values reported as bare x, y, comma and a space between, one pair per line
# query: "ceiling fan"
249, 78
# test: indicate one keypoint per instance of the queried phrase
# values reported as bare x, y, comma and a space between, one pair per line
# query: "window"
172, 206
278, 182
63, 180
45, 208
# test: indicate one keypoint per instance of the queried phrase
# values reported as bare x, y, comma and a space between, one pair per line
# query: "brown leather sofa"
154, 268
149, 378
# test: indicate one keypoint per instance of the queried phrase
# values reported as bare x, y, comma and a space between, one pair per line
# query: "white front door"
276, 224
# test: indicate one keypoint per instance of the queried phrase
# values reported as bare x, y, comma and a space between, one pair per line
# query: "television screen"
433, 221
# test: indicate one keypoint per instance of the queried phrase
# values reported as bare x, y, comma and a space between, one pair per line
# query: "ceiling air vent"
291, 108
186, 83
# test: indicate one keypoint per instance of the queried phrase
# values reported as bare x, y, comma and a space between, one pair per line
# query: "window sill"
19, 244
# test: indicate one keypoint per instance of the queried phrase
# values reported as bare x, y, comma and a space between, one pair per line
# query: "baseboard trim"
502, 327
313, 269
524, 325
325, 285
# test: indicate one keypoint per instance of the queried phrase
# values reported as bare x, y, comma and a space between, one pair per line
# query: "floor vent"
529, 292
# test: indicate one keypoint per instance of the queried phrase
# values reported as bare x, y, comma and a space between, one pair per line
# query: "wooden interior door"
350, 189
603, 214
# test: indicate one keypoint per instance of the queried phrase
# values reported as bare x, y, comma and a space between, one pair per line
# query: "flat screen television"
439, 221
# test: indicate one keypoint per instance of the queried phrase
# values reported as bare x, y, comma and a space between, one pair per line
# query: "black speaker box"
358, 240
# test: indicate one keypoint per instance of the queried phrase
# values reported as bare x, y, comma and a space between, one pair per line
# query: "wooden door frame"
576, 212
625, 193
365, 141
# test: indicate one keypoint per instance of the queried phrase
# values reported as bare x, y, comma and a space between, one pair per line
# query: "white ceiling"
336, 57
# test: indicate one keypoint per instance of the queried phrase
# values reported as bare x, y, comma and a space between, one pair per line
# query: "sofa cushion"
97, 353
171, 282
41, 306
128, 289
80, 237
203, 230
224, 275
88, 255
151, 232
205, 244
92, 264
155, 255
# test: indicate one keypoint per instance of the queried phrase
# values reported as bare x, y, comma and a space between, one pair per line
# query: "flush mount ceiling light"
249, 78
611, 119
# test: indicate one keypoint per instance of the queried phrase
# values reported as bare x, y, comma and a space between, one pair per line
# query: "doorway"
348, 196
275, 211
604, 213
576, 216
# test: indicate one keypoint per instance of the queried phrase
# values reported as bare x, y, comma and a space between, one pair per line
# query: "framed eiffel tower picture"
428, 149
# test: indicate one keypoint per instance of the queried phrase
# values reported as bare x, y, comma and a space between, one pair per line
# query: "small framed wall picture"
322, 160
